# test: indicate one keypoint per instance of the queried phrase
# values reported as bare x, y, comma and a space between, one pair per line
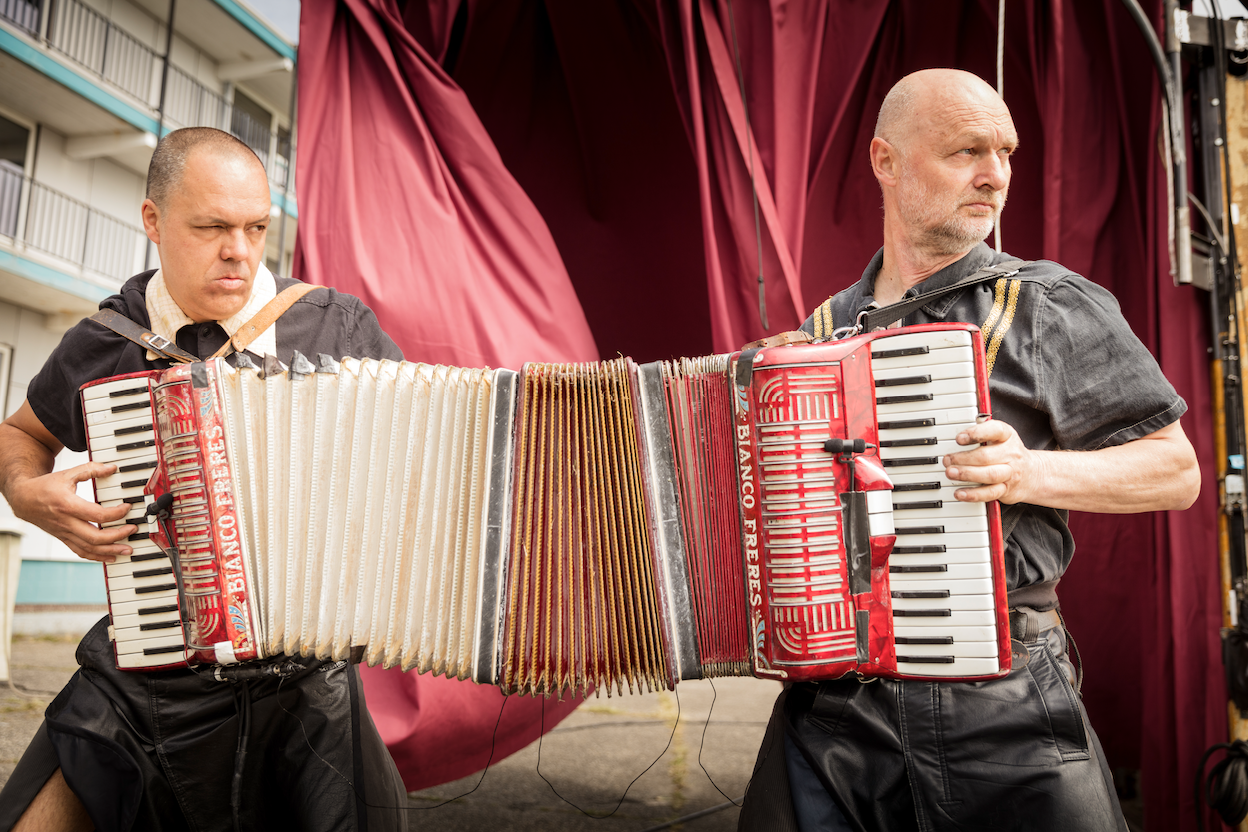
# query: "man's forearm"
22, 457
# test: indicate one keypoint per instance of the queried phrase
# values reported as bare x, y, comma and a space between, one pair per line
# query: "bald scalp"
168, 164
908, 103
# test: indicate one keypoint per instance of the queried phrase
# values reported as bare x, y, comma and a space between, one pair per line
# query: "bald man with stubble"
1083, 419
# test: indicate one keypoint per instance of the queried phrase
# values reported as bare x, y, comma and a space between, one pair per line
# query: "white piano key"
121, 478
124, 581
121, 441
948, 355
951, 555
952, 524
953, 602
958, 634
934, 387
103, 428
117, 493
951, 369
936, 474
939, 416
132, 640
167, 593
914, 582
944, 432
950, 571
127, 565
933, 340
963, 668
956, 618
885, 412
144, 606
938, 450
948, 508
136, 620
959, 649
960, 540
879, 502
106, 389
112, 454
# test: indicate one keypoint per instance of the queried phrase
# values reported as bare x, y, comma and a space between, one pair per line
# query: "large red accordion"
781, 512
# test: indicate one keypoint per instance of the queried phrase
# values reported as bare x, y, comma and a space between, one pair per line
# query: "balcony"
111, 55
62, 232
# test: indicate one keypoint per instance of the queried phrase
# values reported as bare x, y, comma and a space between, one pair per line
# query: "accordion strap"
885, 316
127, 328
264, 319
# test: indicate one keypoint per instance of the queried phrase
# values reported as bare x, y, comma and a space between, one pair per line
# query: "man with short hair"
1083, 419
176, 749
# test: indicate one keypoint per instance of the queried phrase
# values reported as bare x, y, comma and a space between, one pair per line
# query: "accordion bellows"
571, 527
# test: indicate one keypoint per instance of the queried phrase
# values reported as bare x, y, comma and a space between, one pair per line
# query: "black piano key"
901, 382
926, 568
923, 639
902, 424
160, 625
136, 466
908, 443
134, 483
906, 463
918, 505
172, 648
920, 530
929, 549
148, 556
130, 446
147, 590
900, 352
917, 397
129, 391
151, 573
125, 408
916, 486
137, 498
923, 613
158, 610
132, 429
920, 593
139, 536
926, 659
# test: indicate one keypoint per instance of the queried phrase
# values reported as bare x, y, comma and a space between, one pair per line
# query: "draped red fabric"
407, 204
626, 125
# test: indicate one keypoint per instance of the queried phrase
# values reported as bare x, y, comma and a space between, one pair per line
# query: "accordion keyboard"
940, 570
142, 588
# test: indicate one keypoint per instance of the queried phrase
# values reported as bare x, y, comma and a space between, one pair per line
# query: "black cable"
630, 785
1226, 789
705, 725
242, 704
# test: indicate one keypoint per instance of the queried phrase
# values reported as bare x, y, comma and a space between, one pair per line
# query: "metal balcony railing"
21, 13
109, 52
42, 218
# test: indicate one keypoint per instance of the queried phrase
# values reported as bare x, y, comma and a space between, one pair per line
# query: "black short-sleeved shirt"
1065, 370
322, 321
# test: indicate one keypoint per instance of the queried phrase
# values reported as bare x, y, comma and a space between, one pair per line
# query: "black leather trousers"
1012, 753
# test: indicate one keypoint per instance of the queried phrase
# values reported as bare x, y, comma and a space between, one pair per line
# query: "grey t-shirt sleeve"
1098, 383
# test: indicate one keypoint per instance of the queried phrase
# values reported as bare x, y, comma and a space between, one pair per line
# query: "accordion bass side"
780, 512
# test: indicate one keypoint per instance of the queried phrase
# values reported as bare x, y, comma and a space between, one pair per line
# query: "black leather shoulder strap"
873, 319
145, 338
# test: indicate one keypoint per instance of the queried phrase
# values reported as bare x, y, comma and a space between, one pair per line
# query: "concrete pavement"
590, 759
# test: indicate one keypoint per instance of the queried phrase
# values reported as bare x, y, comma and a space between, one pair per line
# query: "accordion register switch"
567, 528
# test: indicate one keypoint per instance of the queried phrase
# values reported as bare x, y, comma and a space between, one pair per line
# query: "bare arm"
48, 498
1156, 472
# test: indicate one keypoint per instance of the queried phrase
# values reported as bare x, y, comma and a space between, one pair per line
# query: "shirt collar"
166, 317
974, 260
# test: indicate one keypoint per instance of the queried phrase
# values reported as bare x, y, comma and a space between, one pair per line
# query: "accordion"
779, 512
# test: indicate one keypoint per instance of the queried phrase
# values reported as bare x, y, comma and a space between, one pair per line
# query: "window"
14, 139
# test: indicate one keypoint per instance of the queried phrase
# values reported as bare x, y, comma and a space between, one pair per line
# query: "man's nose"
234, 247
994, 172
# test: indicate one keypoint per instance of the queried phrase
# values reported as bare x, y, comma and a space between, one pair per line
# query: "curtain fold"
581, 166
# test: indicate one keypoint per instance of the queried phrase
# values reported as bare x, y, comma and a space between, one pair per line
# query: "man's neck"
906, 266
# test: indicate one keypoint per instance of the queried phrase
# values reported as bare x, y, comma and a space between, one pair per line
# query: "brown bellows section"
700, 409
581, 610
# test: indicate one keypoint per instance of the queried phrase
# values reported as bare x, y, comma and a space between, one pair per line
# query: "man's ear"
885, 163
151, 220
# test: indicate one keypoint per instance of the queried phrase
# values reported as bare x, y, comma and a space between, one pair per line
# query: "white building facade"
86, 89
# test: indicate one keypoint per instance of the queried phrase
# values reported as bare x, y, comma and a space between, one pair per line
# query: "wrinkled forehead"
955, 122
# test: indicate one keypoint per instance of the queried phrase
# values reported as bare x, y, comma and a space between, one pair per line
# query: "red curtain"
624, 123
